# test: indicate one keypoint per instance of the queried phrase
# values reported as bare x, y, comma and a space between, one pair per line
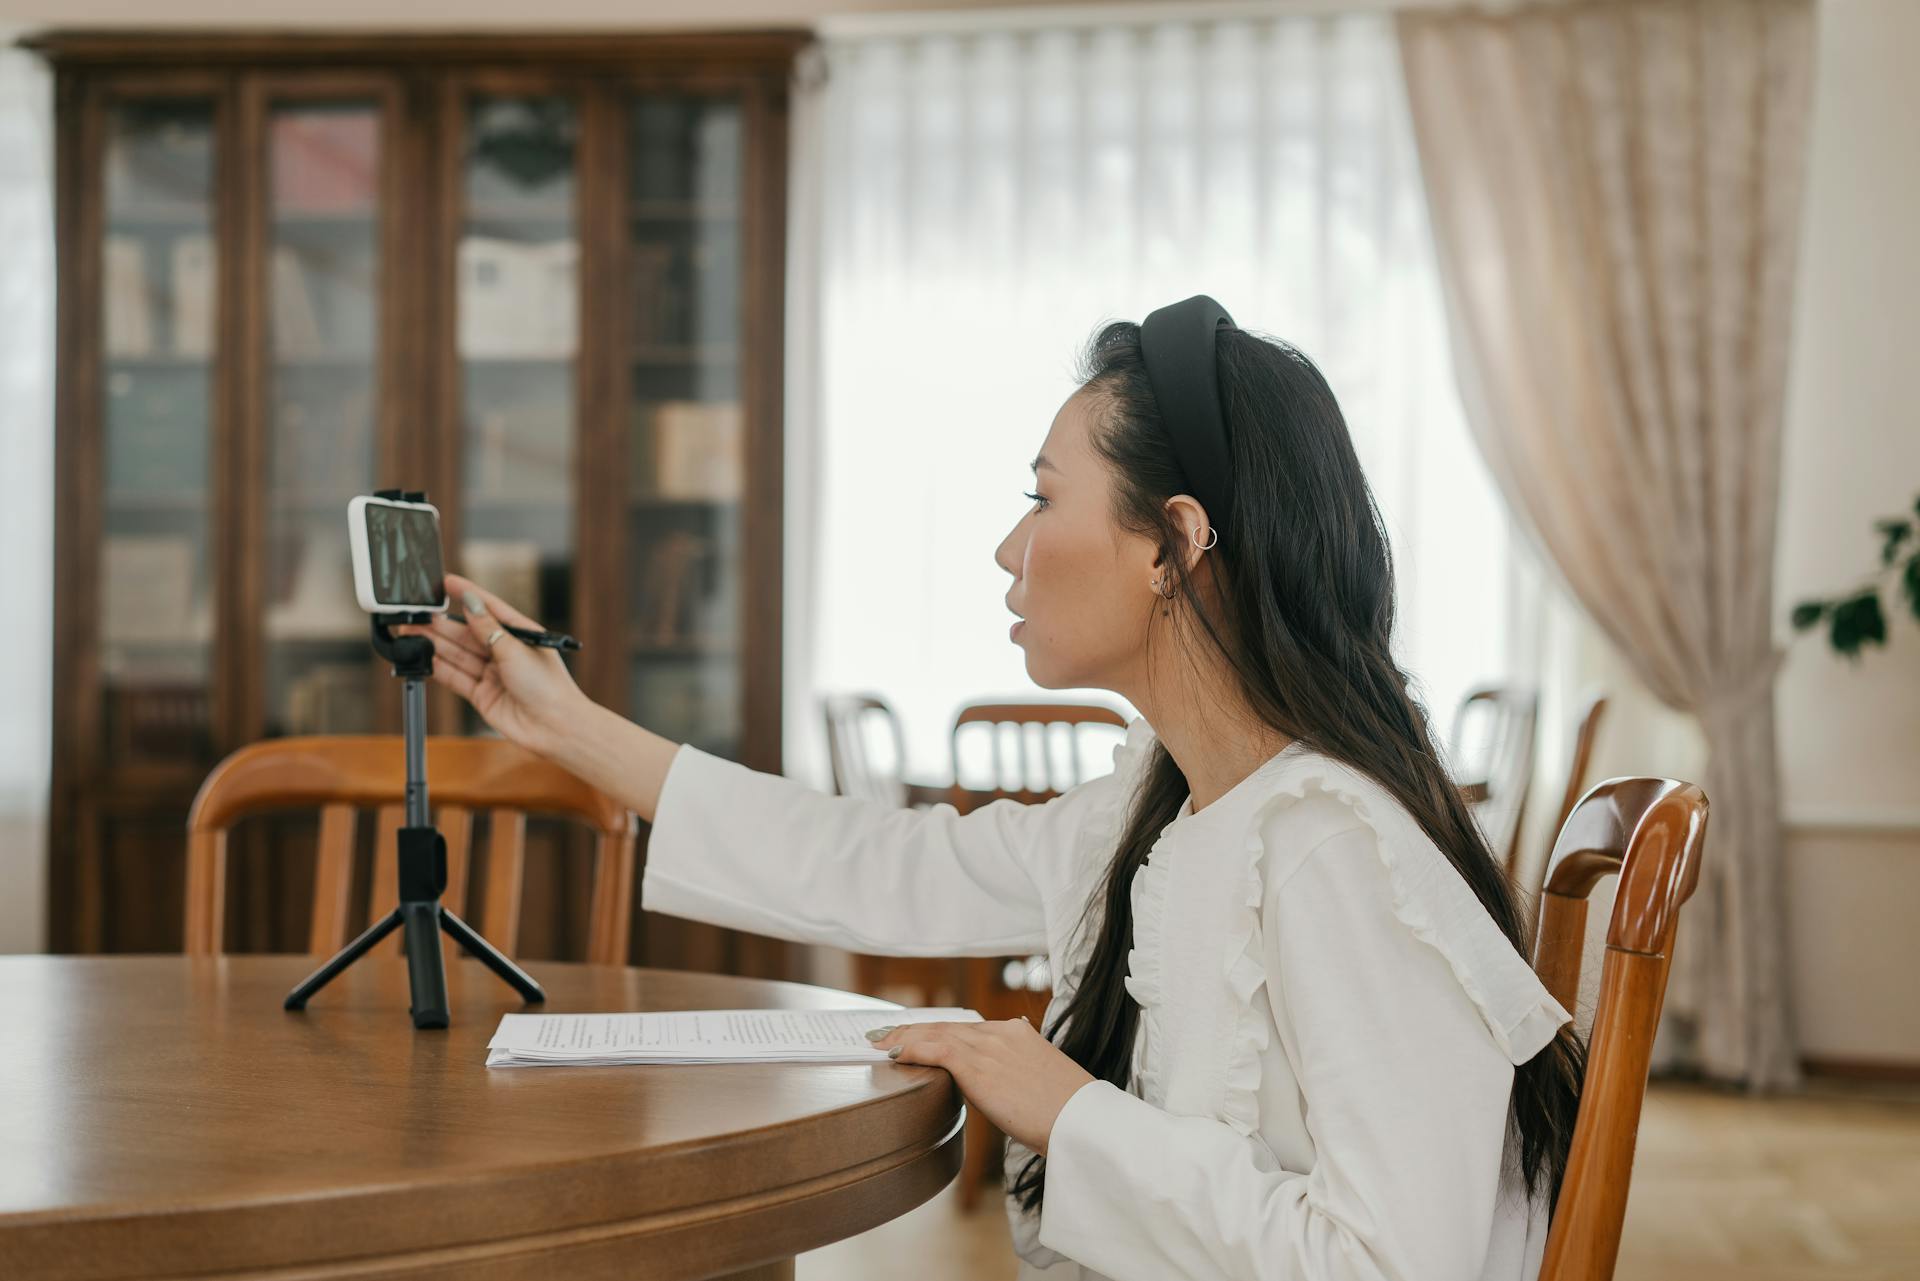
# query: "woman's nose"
1003, 554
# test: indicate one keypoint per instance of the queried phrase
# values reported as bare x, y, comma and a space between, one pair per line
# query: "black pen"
545, 640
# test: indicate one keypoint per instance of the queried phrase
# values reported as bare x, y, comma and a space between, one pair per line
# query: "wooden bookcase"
540, 278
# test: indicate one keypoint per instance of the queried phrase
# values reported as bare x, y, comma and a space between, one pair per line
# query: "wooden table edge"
716, 1239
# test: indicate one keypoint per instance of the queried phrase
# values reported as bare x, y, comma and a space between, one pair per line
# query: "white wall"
1850, 735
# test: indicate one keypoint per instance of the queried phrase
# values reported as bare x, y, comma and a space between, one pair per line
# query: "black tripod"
423, 862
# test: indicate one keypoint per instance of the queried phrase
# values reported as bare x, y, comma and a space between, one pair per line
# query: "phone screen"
403, 551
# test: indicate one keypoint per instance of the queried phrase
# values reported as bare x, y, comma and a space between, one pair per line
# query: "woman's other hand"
524, 691
1006, 1068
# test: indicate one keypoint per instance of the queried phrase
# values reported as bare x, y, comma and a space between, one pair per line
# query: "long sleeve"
1405, 1098
754, 851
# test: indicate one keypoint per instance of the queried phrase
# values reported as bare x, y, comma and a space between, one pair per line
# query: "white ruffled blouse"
1329, 1019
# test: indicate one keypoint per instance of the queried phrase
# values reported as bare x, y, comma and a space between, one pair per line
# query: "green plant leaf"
1858, 622
1895, 532
1912, 580
1808, 613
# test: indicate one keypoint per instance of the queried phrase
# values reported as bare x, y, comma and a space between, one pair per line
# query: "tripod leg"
490, 956
426, 968
297, 999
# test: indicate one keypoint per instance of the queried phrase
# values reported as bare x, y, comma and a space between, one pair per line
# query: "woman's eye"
1038, 499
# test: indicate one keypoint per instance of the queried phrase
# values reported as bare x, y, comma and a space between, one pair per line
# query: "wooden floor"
1823, 1186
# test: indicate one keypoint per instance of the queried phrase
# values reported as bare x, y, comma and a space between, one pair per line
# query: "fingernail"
874, 1034
894, 1053
473, 602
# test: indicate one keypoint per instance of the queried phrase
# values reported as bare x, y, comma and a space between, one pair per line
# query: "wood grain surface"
164, 1117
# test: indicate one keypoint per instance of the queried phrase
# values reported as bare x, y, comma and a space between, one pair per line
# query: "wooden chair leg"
982, 1140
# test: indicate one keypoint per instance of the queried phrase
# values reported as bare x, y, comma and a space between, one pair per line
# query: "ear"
1190, 520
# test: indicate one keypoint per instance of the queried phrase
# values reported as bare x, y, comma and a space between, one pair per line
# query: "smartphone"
396, 556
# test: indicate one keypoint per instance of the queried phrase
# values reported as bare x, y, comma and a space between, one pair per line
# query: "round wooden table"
164, 1117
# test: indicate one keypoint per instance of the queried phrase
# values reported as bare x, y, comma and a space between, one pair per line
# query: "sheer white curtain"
970, 205
26, 487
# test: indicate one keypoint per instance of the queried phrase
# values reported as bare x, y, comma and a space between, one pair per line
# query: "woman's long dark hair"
1305, 618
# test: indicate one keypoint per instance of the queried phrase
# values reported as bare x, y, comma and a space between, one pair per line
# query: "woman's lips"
1013, 633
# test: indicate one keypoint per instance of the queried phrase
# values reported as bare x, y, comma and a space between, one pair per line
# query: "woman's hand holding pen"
524, 691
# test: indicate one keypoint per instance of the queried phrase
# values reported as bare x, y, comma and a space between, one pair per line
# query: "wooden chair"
1496, 787
342, 774
1586, 728
1031, 770
851, 720
1649, 831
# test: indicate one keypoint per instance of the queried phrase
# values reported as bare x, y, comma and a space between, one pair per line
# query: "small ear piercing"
1161, 587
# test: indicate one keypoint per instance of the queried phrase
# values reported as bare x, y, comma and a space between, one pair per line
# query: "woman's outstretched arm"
749, 850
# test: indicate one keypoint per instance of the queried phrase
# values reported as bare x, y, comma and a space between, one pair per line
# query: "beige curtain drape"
1615, 193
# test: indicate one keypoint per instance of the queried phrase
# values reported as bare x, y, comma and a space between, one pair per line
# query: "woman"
1293, 1034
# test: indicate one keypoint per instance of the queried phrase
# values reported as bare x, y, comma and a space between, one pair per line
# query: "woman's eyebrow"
1040, 461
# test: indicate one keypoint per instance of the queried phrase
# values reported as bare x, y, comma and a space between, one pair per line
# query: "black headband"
1177, 344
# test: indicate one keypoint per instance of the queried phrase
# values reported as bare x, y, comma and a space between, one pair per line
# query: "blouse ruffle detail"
1429, 897
1246, 976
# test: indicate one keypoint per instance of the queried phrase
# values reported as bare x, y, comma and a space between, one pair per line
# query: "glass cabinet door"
686, 451
517, 341
159, 302
321, 320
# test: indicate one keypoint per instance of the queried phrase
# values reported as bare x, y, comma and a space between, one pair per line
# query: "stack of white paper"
701, 1036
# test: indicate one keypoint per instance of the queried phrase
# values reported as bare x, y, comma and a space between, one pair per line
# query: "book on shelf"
651, 266
194, 279
147, 589
689, 701
325, 162
317, 601
713, 274
129, 297
699, 449
159, 720
668, 586
162, 157
518, 300
330, 698
522, 452
507, 567
322, 442
296, 320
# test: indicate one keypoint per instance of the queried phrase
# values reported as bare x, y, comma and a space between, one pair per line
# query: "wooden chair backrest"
854, 773
1031, 728
1650, 832
343, 774
1498, 792
1586, 728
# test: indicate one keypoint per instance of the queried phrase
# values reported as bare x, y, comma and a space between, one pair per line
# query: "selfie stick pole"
423, 861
